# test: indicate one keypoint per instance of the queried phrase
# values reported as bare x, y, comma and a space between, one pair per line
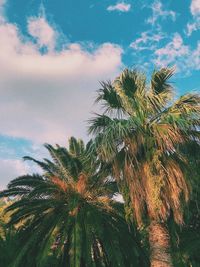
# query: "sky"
53, 54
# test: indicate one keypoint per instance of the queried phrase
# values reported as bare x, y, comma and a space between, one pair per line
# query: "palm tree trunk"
159, 241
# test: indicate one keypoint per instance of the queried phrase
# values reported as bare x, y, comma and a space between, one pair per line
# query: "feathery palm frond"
68, 214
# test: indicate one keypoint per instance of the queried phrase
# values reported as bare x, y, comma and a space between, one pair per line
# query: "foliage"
68, 214
9, 244
140, 133
186, 239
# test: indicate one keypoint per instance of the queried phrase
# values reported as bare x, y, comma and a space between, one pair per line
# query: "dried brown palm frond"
60, 183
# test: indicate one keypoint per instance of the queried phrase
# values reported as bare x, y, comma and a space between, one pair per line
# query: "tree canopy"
68, 213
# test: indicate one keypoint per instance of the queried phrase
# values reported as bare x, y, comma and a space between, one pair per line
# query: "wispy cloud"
147, 41
175, 49
121, 6
42, 31
177, 53
192, 27
158, 12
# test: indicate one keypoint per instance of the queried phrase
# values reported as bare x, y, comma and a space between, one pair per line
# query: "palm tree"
68, 214
140, 132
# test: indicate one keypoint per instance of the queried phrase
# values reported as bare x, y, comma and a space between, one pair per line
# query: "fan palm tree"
140, 132
68, 215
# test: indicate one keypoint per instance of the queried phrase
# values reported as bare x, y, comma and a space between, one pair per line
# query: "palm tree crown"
68, 212
140, 132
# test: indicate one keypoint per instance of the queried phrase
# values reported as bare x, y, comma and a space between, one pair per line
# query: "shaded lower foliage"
186, 239
9, 245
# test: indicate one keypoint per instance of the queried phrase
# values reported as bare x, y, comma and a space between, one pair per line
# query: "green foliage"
186, 239
67, 215
9, 244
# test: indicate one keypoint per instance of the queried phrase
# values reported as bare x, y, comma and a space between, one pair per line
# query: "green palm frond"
160, 81
67, 214
109, 97
131, 82
76, 147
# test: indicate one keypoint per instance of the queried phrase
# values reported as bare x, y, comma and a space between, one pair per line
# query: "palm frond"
160, 81
75, 223
109, 98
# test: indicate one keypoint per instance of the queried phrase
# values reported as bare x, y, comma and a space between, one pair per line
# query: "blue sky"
54, 53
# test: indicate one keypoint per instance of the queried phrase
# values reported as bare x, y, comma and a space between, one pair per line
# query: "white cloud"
195, 7
177, 53
159, 13
147, 41
48, 97
122, 7
191, 27
173, 51
195, 58
11, 169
